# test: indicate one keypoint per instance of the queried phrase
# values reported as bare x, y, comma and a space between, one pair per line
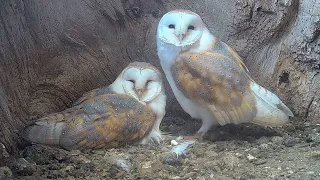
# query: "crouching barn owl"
209, 79
127, 111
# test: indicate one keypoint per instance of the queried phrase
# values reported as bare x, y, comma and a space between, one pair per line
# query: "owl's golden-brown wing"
219, 47
93, 93
217, 82
107, 120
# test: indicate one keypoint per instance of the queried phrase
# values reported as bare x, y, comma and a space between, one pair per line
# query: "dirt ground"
240, 152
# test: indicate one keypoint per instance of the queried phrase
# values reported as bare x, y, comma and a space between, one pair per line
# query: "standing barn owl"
209, 79
127, 111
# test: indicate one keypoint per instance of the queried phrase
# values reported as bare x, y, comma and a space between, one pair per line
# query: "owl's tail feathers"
271, 111
43, 133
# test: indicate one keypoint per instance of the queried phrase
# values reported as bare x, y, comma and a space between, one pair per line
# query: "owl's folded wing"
93, 93
219, 47
218, 83
68, 113
107, 120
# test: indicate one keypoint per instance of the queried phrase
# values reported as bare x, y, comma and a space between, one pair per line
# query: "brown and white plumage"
129, 110
209, 79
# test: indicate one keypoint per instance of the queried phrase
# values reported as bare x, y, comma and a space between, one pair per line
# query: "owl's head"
180, 28
139, 80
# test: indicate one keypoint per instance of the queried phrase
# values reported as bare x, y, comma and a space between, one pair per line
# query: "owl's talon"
154, 136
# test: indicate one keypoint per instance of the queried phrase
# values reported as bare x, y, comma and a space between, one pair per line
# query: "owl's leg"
207, 123
155, 134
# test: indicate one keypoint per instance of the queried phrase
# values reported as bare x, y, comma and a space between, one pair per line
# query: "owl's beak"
181, 36
139, 92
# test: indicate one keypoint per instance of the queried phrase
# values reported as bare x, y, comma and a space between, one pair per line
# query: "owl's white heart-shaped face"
141, 81
180, 28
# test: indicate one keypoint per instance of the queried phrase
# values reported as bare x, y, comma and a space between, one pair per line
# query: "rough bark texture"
51, 52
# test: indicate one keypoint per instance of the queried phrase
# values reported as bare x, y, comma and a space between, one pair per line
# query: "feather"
271, 110
182, 148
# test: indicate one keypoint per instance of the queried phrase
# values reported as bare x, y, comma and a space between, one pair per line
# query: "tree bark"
53, 51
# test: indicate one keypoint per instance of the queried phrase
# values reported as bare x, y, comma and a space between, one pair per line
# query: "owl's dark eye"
171, 26
148, 81
132, 81
191, 27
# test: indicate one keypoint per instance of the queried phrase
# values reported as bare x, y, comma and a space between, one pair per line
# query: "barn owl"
209, 79
129, 110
